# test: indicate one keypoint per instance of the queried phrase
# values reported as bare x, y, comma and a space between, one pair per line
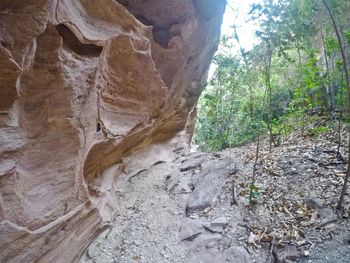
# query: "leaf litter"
299, 184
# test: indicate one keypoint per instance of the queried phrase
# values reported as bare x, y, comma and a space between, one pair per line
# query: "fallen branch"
261, 236
234, 195
268, 260
326, 223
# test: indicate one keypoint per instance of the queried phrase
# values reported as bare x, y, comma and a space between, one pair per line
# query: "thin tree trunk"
329, 85
303, 92
268, 85
251, 102
340, 117
252, 185
347, 79
251, 108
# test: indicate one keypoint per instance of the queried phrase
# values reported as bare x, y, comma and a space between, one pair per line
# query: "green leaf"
254, 187
347, 36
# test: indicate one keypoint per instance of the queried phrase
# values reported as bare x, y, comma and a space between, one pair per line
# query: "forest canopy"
298, 69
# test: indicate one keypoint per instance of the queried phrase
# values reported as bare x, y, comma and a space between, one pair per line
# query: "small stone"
93, 251
236, 254
211, 244
190, 229
330, 226
287, 252
220, 221
251, 238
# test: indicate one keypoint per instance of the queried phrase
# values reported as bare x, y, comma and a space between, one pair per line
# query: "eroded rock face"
85, 86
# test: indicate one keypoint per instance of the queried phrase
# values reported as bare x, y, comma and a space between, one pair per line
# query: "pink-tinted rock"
86, 85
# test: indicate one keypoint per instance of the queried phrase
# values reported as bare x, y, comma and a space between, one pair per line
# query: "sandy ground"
195, 209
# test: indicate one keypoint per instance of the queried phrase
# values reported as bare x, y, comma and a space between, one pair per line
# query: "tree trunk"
302, 88
329, 86
269, 88
251, 100
252, 185
340, 117
347, 79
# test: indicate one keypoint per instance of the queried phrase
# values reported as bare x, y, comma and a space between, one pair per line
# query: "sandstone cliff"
86, 85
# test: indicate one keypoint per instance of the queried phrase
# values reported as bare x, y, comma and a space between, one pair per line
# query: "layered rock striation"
85, 86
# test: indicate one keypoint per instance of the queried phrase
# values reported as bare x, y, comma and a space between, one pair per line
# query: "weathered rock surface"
209, 184
86, 86
152, 226
190, 229
233, 254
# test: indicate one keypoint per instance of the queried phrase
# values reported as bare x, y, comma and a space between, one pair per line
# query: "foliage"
255, 192
294, 72
318, 130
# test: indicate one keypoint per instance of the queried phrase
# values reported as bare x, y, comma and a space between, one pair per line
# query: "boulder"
85, 86
210, 182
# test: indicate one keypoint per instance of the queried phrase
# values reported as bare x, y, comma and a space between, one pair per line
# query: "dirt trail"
185, 211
